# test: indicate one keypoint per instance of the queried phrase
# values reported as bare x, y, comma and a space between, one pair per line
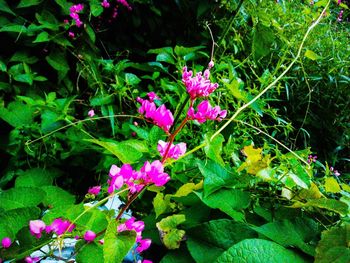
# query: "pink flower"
175, 151
206, 112
198, 86
89, 236
154, 173
152, 96
144, 245
91, 113
130, 225
6, 242
31, 260
124, 3
71, 34
94, 190
160, 116
74, 10
59, 226
36, 227
105, 4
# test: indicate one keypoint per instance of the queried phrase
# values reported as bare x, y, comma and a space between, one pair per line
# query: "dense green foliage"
248, 194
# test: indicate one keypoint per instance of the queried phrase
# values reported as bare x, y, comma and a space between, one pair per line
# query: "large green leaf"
21, 197
209, 240
258, 251
28, 3
177, 256
117, 245
215, 176
5, 8
229, 201
35, 177
124, 151
299, 232
17, 114
324, 203
213, 148
56, 196
334, 245
90, 253
263, 37
15, 219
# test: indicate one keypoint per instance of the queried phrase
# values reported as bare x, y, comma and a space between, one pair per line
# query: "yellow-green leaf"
311, 55
332, 185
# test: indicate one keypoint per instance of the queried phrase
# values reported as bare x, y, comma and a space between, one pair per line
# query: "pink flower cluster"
311, 158
124, 3
206, 112
138, 227
73, 12
58, 226
150, 173
199, 85
161, 116
94, 190
175, 150
105, 4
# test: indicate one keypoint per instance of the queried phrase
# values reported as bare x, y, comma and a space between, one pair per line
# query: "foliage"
235, 182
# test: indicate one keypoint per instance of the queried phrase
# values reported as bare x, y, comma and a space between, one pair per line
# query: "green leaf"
161, 205
15, 219
124, 152
213, 149
117, 245
28, 3
36, 177
299, 232
21, 56
215, 176
5, 8
208, 241
90, 33
47, 20
311, 55
42, 37
3, 66
229, 201
329, 204
96, 8
132, 79
299, 175
21, 197
183, 51
90, 253
334, 245
17, 114
13, 28
166, 50
263, 37
177, 256
57, 59
331, 185
56, 196
165, 57
259, 250
102, 100
170, 234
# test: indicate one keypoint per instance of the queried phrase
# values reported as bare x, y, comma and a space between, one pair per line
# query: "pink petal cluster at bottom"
95, 190
138, 227
60, 226
206, 112
160, 116
175, 150
150, 173
36, 227
31, 260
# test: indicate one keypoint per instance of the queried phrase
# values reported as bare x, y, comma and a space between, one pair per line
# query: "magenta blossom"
36, 227
94, 190
89, 236
154, 173
59, 226
130, 225
175, 151
6, 242
144, 244
199, 85
124, 3
152, 96
105, 4
206, 112
31, 260
161, 116
91, 113
74, 10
